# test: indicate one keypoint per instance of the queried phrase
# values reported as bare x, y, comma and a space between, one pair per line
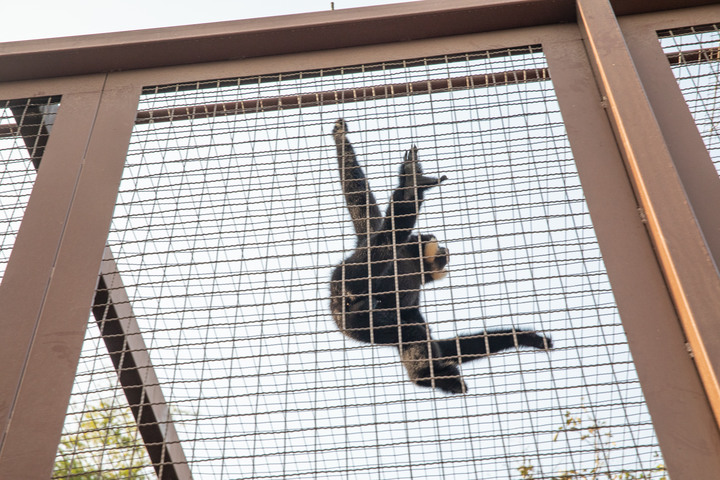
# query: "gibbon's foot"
450, 382
435, 258
444, 374
411, 176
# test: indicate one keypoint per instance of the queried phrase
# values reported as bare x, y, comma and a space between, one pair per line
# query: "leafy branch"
105, 436
588, 432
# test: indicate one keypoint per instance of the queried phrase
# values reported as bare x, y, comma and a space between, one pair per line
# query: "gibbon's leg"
422, 357
434, 363
361, 203
472, 347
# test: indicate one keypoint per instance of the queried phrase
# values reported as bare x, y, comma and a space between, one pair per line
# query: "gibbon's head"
435, 258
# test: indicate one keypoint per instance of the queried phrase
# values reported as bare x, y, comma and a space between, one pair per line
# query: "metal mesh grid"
694, 53
24, 129
230, 220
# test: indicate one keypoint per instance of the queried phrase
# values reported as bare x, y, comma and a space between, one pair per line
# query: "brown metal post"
24, 285
683, 420
686, 146
119, 328
687, 263
52, 273
121, 333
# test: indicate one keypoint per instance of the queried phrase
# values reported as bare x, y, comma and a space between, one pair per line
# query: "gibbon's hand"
340, 129
411, 176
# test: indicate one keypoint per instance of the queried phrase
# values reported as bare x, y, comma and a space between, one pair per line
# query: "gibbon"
375, 292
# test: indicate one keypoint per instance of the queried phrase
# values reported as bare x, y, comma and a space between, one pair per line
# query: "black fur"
375, 292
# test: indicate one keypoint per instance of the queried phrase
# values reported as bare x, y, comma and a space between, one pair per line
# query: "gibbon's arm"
360, 200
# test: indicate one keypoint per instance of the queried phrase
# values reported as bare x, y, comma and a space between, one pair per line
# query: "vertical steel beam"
119, 328
686, 146
676, 400
688, 265
120, 331
33, 258
52, 273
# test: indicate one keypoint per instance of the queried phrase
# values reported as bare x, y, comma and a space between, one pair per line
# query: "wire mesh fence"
231, 218
694, 53
24, 130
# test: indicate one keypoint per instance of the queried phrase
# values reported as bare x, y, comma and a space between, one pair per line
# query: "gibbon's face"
435, 258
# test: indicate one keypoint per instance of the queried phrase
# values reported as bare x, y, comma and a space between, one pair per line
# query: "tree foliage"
105, 446
593, 436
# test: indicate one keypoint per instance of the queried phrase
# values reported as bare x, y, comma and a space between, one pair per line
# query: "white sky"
62, 18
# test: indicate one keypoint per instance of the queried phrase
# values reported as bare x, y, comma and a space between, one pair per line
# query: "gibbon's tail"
486, 343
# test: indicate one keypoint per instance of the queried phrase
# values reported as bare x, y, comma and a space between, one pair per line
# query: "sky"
62, 18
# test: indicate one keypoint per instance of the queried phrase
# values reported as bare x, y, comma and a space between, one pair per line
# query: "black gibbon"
375, 292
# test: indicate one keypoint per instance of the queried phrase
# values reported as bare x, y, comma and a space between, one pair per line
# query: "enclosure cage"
195, 169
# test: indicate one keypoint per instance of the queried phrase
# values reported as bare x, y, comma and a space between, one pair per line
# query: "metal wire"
229, 223
696, 65
24, 131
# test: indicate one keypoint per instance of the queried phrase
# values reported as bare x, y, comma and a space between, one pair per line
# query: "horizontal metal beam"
694, 56
359, 94
364, 93
259, 37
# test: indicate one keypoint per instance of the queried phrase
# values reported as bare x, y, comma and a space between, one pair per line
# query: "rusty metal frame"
59, 249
